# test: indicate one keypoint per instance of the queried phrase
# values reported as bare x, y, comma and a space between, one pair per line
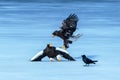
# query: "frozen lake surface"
26, 28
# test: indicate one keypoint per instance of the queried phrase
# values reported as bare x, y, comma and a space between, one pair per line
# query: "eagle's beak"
53, 36
50, 45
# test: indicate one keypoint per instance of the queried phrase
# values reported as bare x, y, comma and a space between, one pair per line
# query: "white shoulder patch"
62, 50
37, 55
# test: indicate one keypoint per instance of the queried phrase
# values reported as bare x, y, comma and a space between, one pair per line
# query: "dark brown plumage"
66, 40
68, 28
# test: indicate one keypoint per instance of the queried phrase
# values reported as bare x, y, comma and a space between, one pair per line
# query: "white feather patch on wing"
62, 50
37, 55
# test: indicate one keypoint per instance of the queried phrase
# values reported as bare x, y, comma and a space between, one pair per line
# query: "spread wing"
38, 56
64, 54
70, 22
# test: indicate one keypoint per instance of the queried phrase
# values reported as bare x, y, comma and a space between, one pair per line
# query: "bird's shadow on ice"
52, 61
91, 65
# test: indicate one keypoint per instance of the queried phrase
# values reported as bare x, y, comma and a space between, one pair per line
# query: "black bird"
52, 53
88, 61
68, 28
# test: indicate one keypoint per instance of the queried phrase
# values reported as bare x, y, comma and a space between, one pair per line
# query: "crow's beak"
53, 36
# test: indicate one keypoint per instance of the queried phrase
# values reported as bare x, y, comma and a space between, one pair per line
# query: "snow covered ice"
26, 28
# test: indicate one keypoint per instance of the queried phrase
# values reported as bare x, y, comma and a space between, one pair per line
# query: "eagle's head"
49, 45
55, 33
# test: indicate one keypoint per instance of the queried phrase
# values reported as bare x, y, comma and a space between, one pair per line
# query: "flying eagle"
69, 26
52, 53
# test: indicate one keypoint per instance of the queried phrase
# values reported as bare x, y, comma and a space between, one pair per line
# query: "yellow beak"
50, 45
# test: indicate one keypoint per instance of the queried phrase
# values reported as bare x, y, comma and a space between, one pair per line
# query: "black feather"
65, 55
87, 60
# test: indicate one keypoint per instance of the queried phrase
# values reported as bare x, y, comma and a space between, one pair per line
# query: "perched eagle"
52, 53
68, 28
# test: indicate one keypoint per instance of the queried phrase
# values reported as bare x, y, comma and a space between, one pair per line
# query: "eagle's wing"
38, 56
64, 54
62, 50
71, 22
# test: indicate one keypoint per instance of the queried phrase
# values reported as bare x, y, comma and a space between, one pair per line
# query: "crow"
88, 61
